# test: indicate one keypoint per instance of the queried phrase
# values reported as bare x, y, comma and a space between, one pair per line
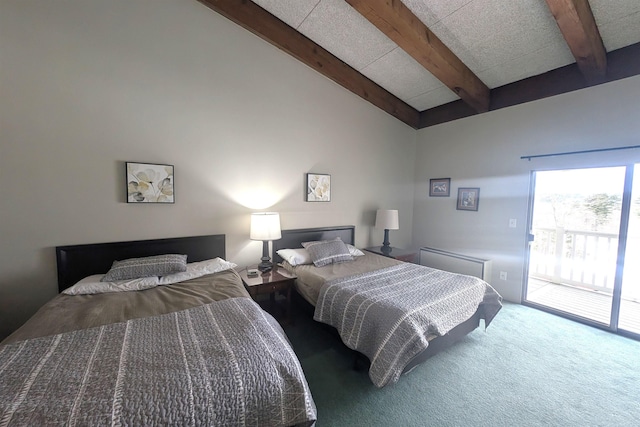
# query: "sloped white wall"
88, 85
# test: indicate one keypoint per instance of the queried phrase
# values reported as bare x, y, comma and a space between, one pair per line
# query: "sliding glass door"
583, 259
629, 317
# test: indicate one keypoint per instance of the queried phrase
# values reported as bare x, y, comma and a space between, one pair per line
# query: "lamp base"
266, 265
386, 246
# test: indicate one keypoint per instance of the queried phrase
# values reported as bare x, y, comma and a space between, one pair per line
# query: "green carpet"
529, 368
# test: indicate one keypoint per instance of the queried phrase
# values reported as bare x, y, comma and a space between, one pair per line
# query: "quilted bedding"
225, 363
388, 314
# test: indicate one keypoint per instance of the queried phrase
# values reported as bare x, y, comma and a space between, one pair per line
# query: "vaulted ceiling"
432, 61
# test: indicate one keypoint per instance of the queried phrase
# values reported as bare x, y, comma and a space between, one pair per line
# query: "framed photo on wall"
318, 187
440, 187
149, 183
468, 198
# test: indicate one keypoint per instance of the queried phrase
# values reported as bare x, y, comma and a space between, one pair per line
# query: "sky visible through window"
562, 196
581, 181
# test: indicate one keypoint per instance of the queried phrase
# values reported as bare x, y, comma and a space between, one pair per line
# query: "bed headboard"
79, 261
294, 238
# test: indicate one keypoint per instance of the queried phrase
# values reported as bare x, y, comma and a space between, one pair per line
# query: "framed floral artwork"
318, 187
468, 199
149, 183
439, 187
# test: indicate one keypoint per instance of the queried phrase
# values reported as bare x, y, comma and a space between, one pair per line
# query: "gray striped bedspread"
388, 314
227, 363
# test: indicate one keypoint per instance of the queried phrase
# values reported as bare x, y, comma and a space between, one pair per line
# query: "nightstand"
396, 253
271, 283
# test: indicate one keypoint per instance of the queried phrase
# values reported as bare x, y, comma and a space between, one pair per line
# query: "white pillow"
302, 256
295, 257
354, 251
92, 285
198, 269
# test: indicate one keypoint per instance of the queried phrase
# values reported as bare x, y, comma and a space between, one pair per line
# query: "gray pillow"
134, 268
327, 252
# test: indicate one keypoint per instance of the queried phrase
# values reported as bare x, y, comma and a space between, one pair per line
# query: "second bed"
397, 314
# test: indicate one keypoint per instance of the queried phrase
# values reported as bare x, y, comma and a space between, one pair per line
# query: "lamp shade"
265, 226
387, 219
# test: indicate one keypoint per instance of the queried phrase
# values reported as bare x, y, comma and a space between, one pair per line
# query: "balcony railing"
574, 271
578, 258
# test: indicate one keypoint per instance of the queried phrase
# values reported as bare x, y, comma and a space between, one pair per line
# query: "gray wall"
484, 151
88, 85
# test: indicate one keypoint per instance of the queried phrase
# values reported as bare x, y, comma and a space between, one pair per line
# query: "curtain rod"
597, 150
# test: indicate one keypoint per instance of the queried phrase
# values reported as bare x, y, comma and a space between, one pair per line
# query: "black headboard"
293, 238
79, 261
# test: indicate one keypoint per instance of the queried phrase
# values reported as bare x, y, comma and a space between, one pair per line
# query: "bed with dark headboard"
78, 261
294, 238
199, 348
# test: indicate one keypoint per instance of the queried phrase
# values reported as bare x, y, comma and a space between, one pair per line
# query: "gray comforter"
66, 313
225, 363
388, 314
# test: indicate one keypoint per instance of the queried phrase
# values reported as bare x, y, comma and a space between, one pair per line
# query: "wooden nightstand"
277, 280
396, 253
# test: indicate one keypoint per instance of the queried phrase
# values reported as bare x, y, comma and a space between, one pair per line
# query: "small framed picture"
149, 183
318, 187
468, 199
439, 187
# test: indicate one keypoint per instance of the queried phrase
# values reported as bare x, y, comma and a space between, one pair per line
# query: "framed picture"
439, 187
318, 187
468, 199
149, 183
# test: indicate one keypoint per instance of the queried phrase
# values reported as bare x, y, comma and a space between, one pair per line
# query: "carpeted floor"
529, 368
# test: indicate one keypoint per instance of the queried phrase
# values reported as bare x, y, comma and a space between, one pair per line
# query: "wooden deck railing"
569, 257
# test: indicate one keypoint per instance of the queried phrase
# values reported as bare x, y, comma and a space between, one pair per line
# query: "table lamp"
265, 226
387, 219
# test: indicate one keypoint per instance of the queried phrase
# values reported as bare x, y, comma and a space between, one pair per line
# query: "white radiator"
456, 263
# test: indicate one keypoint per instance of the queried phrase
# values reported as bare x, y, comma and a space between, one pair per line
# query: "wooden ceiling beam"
397, 21
579, 29
622, 63
266, 26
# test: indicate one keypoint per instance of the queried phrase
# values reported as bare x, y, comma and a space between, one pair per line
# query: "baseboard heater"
456, 263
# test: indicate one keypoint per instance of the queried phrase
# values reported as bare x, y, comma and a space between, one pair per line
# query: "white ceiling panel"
485, 34
340, 29
433, 11
619, 26
532, 64
438, 96
401, 75
291, 12
621, 33
609, 11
